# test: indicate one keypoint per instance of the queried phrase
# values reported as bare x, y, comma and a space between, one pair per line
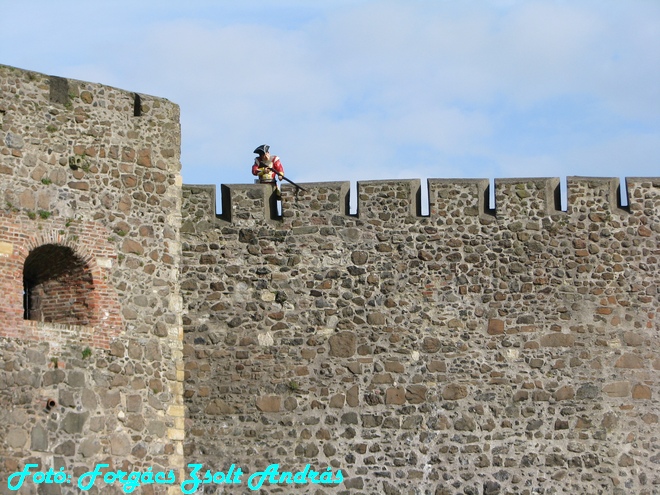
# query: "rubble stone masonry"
471, 351
474, 350
91, 366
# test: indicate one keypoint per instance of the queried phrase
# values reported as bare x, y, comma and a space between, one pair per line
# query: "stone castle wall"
90, 324
471, 351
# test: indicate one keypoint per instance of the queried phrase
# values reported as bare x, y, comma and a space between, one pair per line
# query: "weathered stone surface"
416, 394
455, 391
218, 406
271, 403
349, 418
14, 140
120, 444
337, 400
630, 361
117, 349
465, 423
359, 257
617, 389
633, 339
16, 438
110, 399
558, 340
135, 422
376, 319
39, 439
564, 393
430, 345
89, 399
436, 367
495, 327
89, 447
382, 379
76, 379
290, 404
66, 448
132, 247
353, 396
343, 345
641, 392
395, 395
587, 391
74, 422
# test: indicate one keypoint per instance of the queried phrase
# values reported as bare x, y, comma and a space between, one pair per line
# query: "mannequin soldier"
267, 167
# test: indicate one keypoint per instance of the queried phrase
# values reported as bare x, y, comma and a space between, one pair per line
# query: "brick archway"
55, 280
58, 287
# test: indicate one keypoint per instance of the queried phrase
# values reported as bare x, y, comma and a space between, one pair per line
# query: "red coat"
265, 175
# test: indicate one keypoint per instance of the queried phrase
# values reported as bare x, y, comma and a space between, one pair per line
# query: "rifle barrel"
286, 179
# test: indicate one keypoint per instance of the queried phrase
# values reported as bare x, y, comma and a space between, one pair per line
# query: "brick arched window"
57, 286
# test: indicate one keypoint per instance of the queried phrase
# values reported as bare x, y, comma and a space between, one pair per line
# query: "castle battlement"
484, 347
392, 201
62, 100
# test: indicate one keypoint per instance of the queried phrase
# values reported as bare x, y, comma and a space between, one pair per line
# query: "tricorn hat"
262, 150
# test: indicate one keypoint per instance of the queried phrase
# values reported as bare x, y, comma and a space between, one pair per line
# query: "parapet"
254, 204
35, 106
81, 98
386, 202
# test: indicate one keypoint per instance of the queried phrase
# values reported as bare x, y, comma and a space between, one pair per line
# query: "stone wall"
471, 351
90, 320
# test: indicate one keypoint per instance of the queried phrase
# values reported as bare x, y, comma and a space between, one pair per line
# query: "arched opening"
57, 286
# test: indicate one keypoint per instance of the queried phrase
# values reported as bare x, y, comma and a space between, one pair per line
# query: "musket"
284, 178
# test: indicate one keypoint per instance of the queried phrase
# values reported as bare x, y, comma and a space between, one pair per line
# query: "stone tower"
90, 315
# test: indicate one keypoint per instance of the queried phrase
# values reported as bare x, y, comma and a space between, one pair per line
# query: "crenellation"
453, 198
644, 200
526, 198
317, 204
594, 196
537, 199
248, 205
382, 202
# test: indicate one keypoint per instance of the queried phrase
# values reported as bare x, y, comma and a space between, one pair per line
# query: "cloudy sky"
372, 89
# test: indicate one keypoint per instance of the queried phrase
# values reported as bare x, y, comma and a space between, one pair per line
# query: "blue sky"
361, 90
